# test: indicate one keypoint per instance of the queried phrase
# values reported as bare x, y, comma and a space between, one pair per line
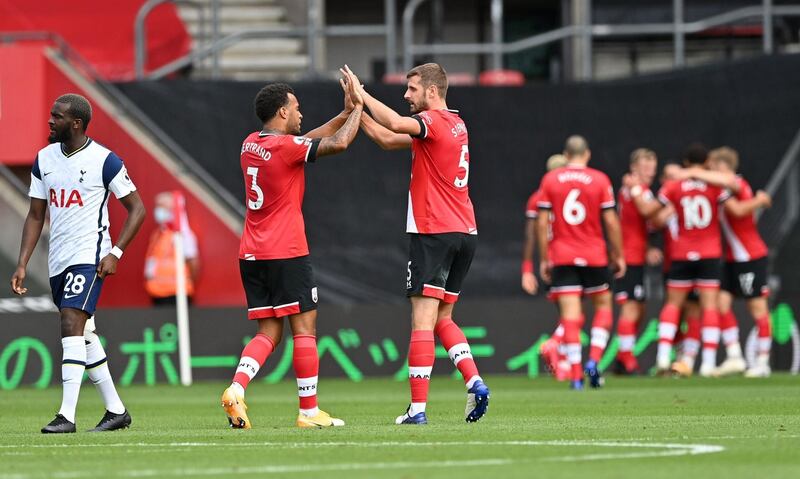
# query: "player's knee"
72, 323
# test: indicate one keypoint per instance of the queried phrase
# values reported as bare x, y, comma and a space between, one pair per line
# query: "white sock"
310, 412
664, 355
238, 388
709, 357
97, 367
733, 350
72, 367
416, 408
472, 381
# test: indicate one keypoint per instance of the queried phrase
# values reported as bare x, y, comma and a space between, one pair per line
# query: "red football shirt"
576, 197
634, 227
742, 239
274, 174
696, 205
532, 206
438, 197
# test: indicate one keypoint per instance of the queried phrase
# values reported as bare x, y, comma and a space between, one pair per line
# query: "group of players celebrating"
73, 177
711, 252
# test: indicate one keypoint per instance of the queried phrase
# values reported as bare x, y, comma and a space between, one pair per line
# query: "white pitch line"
276, 469
294, 445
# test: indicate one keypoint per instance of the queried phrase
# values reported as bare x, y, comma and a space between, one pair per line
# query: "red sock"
305, 361
710, 333
572, 339
458, 349
693, 325
253, 356
668, 324
626, 331
601, 330
764, 334
727, 320
420, 364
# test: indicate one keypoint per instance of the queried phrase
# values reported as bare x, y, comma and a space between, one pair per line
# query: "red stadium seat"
501, 78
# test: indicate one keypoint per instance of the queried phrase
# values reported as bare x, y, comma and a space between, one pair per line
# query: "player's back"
743, 242
634, 227
698, 231
577, 196
439, 199
273, 167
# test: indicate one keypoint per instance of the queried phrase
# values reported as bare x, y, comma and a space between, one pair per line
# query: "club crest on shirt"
301, 140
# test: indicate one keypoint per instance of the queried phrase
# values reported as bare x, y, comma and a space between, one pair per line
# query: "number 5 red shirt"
438, 197
576, 196
274, 178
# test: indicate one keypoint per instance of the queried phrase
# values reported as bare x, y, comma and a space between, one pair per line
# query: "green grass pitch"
638, 428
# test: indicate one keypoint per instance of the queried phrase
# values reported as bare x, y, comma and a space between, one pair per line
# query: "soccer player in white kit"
73, 178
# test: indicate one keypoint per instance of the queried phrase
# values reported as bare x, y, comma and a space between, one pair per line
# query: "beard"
417, 107
58, 136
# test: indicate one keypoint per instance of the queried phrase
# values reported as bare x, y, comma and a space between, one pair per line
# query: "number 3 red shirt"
438, 197
576, 196
274, 176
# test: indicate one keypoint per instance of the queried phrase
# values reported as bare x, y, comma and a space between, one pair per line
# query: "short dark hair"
431, 74
79, 107
270, 99
695, 154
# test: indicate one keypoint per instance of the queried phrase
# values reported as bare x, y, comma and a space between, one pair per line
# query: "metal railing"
784, 187
312, 33
587, 32
140, 29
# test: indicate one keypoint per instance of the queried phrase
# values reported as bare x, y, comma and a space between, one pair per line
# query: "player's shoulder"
49, 151
99, 149
598, 174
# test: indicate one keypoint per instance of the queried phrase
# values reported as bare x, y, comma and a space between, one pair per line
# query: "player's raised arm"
339, 141
742, 208
716, 178
31, 232
384, 115
614, 232
643, 199
383, 137
337, 121
136, 213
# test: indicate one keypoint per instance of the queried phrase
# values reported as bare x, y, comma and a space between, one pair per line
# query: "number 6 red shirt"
576, 196
274, 178
438, 197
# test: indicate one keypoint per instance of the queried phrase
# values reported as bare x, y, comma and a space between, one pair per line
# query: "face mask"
162, 215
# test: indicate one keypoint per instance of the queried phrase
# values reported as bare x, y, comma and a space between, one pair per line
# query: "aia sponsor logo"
62, 199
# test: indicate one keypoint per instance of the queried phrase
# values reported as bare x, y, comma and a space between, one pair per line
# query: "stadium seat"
501, 78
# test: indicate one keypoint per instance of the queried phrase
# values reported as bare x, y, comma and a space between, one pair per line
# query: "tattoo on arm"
340, 140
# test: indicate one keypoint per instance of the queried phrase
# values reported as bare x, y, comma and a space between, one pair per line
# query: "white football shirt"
76, 188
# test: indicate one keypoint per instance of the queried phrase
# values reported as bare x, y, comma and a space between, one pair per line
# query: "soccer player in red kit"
273, 254
552, 350
441, 226
744, 273
575, 261
695, 251
636, 203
